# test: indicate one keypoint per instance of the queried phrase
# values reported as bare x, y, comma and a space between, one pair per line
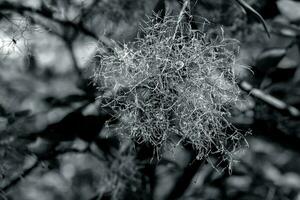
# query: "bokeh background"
53, 140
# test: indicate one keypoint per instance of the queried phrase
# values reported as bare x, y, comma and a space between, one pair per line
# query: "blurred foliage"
54, 138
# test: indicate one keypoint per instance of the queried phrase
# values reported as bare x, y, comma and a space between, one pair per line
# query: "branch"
7, 6
27, 171
269, 130
100, 197
270, 100
182, 13
30, 12
248, 8
18, 178
185, 179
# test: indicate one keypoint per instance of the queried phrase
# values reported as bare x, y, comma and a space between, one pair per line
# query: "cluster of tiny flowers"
173, 81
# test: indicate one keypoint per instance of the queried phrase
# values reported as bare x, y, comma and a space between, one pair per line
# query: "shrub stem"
185, 179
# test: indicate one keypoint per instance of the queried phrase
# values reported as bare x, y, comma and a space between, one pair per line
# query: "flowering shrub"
173, 81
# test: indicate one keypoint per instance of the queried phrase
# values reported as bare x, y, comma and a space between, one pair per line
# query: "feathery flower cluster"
174, 81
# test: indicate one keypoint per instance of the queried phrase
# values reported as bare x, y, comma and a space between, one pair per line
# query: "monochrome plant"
174, 81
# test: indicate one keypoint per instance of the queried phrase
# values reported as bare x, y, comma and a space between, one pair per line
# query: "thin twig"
270, 100
23, 9
248, 8
18, 178
36, 164
180, 17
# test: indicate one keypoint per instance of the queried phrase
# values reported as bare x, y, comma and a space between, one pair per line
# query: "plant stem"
275, 103
17, 179
184, 9
185, 179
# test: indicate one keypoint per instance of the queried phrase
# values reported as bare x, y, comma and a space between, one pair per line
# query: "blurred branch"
271, 131
27, 171
248, 8
21, 176
22, 10
18, 8
87, 150
51, 152
146, 153
185, 179
42, 18
70, 48
100, 197
270, 100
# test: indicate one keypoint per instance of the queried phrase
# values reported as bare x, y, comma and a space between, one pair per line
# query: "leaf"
248, 8
269, 58
290, 9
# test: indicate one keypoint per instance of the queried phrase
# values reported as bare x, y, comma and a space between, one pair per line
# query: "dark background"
53, 140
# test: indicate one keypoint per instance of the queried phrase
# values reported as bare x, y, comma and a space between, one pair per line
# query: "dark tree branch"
22, 10
185, 179
26, 172
100, 197
249, 9
65, 24
18, 178
146, 153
